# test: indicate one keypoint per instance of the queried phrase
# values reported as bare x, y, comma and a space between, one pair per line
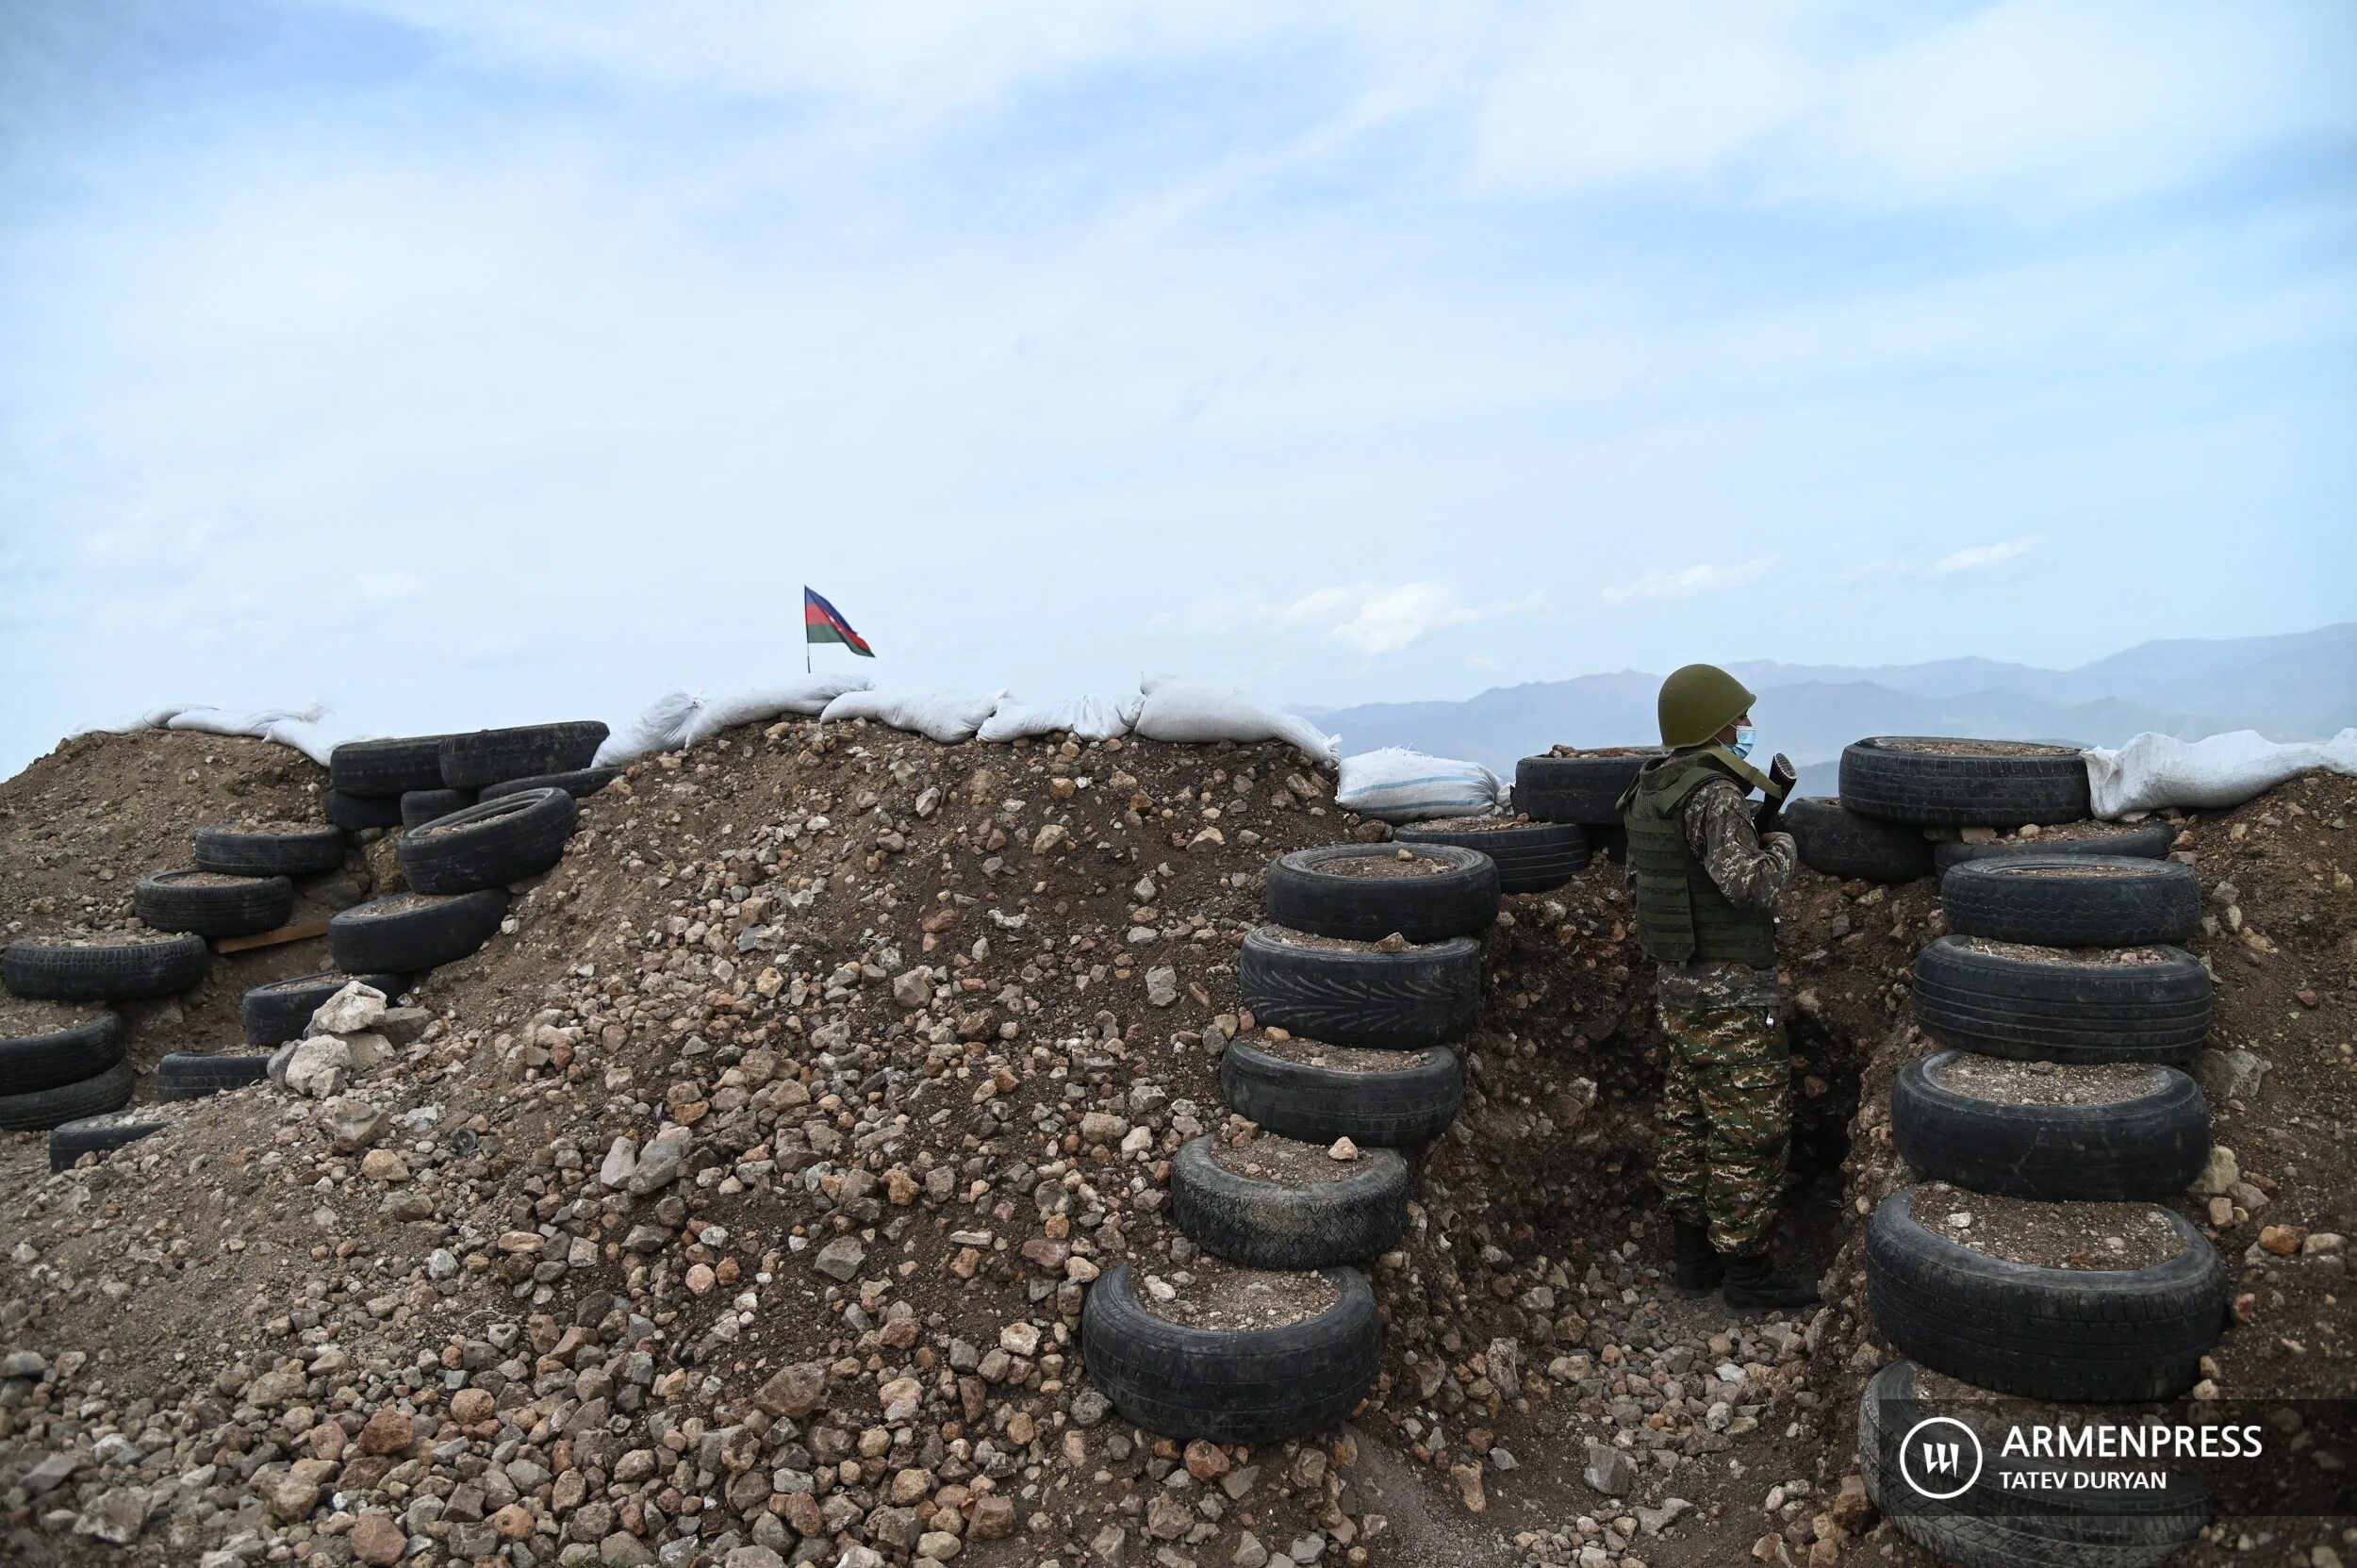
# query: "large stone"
659, 1165
913, 988
404, 1026
1162, 985
117, 1517
1610, 1471
377, 1541
352, 1124
348, 1012
621, 1163
319, 1066
794, 1391
2230, 1074
840, 1259
2220, 1174
388, 1432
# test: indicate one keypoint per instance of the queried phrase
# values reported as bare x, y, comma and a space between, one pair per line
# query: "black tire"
280, 1011
492, 756
47, 1108
70, 1140
242, 906
1998, 1521
192, 1075
2144, 840
2148, 1148
50, 1058
1531, 858
1262, 1385
389, 769
1426, 996
2073, 901
413, 931
489, 845
2102, 1336
104, 971
1426, 908
1581, 790
420, 806
297, 853
2040, 1006
1907, 779
355, 813
1608, 841
580, 783
1267, 1224
1836, 841
1404, 1105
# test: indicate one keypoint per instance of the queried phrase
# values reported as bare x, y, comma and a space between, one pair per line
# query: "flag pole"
806, 628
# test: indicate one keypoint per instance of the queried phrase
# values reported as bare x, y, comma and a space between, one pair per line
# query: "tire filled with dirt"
41, 1108
208, 903
1360, 993
46, 1044
1531, 857
358, 813
2073, 901
489, 845
1937, 781
580, 783
1234, 1355
2105, 1303
2021, 1511
2034, 1130
1315, 1093
2062, 1004
420, 806
2143, 840
485, 757
1366, 892
272, 851
411, 932
1836, 841
1582, 788
109, 968
192, 1075
1276, 1203
281, 1011
100, 1134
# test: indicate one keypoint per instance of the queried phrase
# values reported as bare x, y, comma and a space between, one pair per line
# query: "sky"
468, 361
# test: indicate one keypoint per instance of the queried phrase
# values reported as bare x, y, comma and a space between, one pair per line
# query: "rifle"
1781, 778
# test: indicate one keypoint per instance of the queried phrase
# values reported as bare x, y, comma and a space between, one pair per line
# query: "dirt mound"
742, 1198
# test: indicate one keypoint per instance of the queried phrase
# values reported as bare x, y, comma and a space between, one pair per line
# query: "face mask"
1743, 735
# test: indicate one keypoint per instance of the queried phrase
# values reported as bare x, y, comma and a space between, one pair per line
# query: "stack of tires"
2036, 1259
1582, 790
61, 1045
1369, 973
477, 812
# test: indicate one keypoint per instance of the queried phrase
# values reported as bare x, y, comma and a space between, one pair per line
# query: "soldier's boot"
1699, 1265
1754, 1282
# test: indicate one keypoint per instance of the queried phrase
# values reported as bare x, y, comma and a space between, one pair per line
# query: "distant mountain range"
2299, 687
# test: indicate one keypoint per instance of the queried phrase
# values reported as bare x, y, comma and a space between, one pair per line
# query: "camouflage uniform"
1725, 1118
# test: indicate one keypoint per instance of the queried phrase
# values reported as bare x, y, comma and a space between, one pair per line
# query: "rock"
1977, 835
24, 1364
752, 1557
355, 1008
1344, 1150
383, 1164
293, 1498
1610, 1471
117, 1516
619, 1165
1162, 985
470, 1406
1851, 1510
2231, 1074
659, 1165
1468, 1479
319, 1066
377, 1541
512, 1523
1101, 1127
2281, 1240
352, 1124
994, 1517
1020, 1339
2218, 1175
53, 1471
404, 1026
2322, 1243
840, 1259
1206, 1460
794, 1391
913, 988
388, 1432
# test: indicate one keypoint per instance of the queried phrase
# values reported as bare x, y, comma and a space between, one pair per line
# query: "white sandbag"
947, 716
1084, 718
1400, 786
223, 722
310, 737
2156, 770
804, 695
1191, 711
662, 728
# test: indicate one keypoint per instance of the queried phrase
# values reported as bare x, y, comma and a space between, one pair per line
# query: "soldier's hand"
1784, 838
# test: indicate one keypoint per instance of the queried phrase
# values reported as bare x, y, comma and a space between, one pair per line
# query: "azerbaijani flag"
823, 622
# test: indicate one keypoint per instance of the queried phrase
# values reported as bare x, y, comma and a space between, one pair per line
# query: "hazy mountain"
2301, 687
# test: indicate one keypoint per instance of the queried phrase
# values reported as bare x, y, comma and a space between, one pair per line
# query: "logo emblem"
1939, 1458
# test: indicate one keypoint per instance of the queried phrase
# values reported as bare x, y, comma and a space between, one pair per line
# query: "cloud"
381, 588
1980, 558
1686, 584
1370, 619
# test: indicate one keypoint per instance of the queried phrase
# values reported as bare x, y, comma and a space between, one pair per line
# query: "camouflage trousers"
1725, 1121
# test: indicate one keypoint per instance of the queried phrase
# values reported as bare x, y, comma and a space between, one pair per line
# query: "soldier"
1706, 889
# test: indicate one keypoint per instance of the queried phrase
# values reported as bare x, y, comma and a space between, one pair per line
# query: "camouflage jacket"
1752, 873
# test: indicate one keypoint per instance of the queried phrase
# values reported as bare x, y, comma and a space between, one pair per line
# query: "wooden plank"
301, 930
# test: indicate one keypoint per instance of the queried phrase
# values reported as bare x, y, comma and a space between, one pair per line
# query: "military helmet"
1697, 702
